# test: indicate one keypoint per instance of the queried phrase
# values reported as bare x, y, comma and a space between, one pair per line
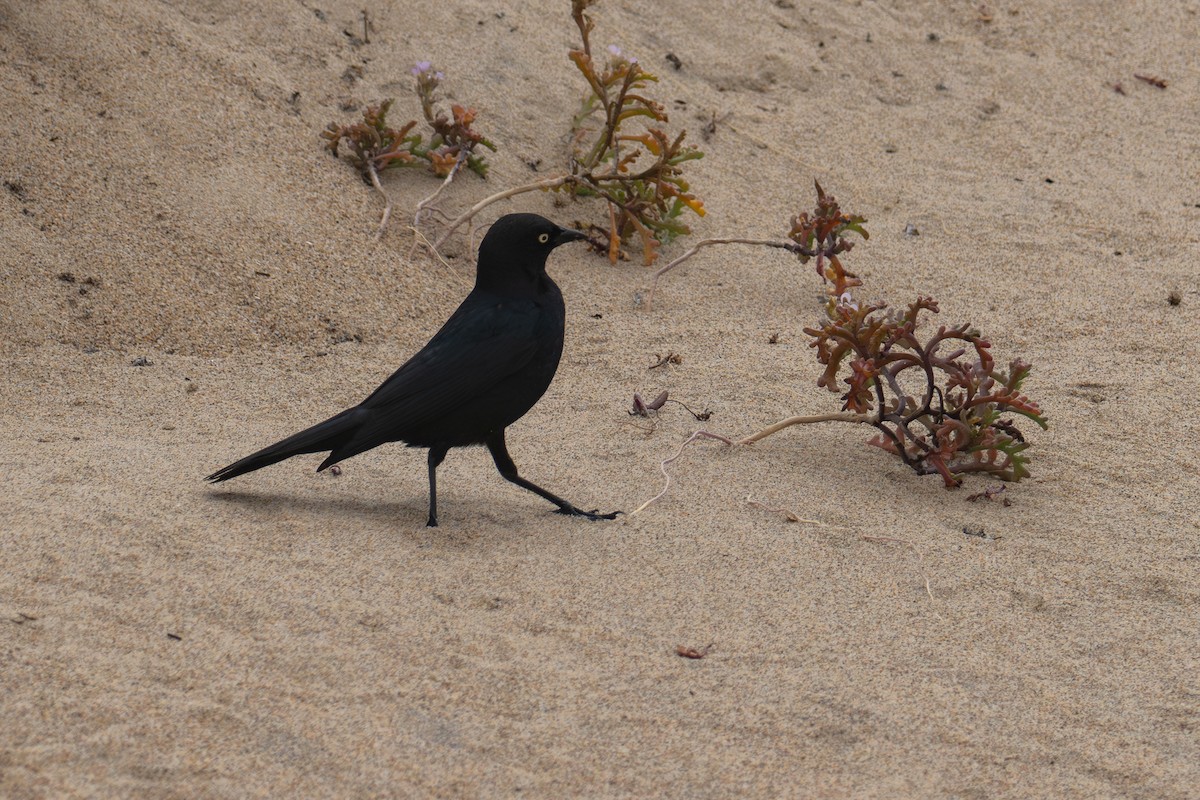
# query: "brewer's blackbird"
487, 366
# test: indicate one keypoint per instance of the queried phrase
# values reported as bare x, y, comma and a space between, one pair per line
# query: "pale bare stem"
434, 211
910, 546
420, 239
707, 243
837, 416
611, 123
387, 208
663, 466
423, 206
548, 183
788, 514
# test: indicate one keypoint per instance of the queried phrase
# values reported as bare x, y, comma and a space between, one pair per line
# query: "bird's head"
516, 246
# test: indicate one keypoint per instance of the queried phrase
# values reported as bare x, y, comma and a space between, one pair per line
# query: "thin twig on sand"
788, 514
706, 243
423, 206
419, 239
663, 465
545, 185
387, 208
836, 416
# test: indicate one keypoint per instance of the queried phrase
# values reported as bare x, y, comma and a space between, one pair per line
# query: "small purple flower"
613, 50
422, 67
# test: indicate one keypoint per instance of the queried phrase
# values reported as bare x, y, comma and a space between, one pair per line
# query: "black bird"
492, 360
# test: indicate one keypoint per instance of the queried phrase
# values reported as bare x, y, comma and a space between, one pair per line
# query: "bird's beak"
568, 235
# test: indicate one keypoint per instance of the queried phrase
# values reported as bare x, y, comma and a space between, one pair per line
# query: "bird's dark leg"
508, 470
437, 454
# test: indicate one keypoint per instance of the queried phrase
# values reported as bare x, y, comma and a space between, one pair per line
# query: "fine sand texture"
186, 276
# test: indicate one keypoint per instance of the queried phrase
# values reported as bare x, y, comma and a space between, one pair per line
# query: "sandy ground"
165, 197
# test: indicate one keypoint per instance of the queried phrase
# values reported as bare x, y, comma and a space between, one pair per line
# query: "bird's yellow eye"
543, 237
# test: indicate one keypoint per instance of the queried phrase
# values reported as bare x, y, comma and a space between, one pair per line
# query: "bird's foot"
593, 515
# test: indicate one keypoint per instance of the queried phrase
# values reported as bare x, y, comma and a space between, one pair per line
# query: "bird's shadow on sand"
268, 503
402, 517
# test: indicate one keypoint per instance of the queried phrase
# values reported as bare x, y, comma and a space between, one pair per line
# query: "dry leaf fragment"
693, 652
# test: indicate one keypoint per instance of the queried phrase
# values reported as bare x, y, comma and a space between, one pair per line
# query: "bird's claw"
594, 515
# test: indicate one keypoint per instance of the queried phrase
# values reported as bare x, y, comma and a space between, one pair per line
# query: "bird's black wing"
483, 342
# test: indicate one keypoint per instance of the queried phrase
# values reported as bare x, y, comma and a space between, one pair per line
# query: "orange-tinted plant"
373, 146
639, 172
636, 168
938, 401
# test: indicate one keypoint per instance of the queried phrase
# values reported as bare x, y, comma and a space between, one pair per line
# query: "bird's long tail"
328, 435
